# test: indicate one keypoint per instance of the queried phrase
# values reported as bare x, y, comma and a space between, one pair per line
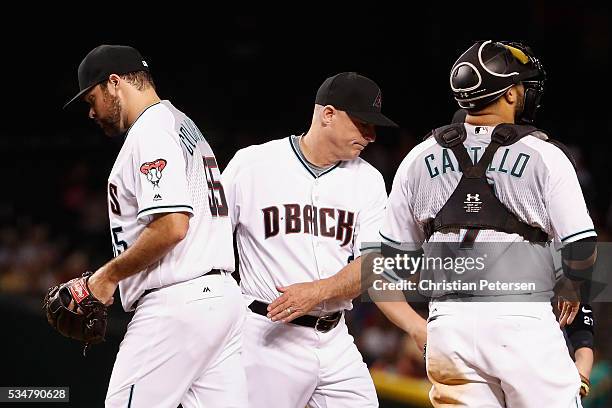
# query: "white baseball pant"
183, 345
505, 354
290, 366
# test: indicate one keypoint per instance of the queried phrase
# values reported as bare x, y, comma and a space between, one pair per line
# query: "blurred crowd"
56, 228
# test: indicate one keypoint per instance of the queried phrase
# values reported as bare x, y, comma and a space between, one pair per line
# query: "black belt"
146, 292
322, 323
452, 296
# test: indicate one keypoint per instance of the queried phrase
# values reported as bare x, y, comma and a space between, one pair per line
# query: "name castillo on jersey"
333, 223
511, 162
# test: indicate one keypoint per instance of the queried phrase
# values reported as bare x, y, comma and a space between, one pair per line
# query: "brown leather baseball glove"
73, 311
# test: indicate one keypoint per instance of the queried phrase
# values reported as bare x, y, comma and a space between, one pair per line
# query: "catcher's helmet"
487, 69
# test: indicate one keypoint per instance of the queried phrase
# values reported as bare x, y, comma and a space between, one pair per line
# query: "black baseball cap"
103, 61
355, 94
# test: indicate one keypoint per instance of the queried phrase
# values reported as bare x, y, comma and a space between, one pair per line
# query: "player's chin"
352, 154
356, 150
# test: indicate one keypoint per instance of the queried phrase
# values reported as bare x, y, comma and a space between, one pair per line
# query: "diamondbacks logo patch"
153, 170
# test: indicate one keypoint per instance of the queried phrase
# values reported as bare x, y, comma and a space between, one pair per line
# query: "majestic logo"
378, 101
153, 171
206, 289
157, 197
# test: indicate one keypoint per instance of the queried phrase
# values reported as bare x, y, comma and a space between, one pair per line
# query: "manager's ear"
328, 112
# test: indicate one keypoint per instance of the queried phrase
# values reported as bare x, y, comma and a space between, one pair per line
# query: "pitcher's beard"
111, 124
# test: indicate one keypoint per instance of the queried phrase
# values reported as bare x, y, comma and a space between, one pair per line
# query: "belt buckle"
327, 323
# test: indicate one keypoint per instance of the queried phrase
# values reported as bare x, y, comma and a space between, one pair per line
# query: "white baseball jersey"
532, 178
166, 165
468, 341
294, 227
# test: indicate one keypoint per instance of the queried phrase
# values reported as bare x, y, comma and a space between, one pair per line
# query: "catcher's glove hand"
73, 311
585, 386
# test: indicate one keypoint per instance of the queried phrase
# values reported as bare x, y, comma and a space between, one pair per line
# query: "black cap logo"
354, 93
378, 101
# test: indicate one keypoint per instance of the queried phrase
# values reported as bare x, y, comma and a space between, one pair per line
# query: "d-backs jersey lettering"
292, 226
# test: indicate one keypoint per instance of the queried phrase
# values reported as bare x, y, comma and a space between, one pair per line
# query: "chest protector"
473, 205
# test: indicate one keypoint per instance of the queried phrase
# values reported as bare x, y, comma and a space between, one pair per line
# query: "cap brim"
78, 97
374, 118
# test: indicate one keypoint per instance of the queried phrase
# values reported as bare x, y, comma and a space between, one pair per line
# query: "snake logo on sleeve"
153, 170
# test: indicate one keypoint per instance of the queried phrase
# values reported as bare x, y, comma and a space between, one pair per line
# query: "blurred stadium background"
247, 80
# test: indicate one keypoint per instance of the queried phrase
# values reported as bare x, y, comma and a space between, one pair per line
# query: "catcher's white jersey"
532, 178
166, 165
294, 227
468, 340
